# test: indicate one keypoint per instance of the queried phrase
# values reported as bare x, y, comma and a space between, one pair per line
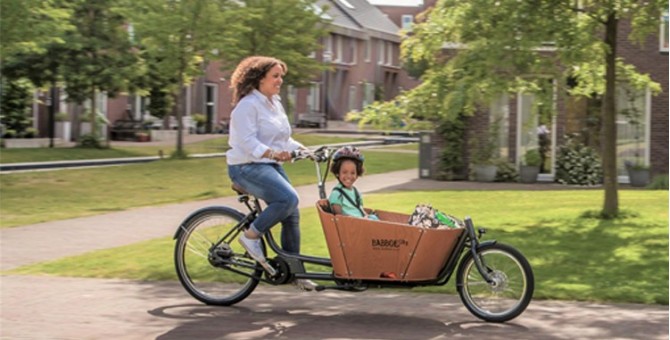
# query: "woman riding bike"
260, 140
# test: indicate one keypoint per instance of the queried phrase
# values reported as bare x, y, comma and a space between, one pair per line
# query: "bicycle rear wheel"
510, 293
210, 262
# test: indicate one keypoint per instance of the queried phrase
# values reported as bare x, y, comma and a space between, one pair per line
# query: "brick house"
363, 49
514, 111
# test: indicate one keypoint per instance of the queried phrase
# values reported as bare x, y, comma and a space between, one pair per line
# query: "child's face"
348, 174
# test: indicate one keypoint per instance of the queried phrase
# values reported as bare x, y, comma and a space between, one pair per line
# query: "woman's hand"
282, 156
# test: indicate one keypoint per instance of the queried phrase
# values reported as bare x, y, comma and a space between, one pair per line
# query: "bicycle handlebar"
321, 154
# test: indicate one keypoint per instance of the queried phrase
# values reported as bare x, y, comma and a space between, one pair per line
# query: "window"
353, 50
338, 48
406, 22
535, 128
664, 33
380, 53
313, 102
389, 53
211, 114
632, 126
368, 50
368, 94
500, 115
352, 98
327, 45
291, 103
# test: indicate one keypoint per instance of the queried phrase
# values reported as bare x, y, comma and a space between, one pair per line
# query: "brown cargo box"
388, 249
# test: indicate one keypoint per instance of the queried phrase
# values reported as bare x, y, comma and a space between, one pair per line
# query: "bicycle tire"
512, 291
205, 270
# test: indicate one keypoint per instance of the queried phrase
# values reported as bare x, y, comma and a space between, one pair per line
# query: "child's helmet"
349, 152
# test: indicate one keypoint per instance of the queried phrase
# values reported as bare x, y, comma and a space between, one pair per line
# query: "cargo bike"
494, 280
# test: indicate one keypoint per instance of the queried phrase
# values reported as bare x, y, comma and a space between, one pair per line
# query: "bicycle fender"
486, 243
195, 214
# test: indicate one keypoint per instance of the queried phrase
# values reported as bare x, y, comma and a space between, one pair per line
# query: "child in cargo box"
345, 199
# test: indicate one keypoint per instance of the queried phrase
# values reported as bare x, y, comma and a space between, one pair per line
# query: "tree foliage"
289, 30
178, 38
27, 26
511, 46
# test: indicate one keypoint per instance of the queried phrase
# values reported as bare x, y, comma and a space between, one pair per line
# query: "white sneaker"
304, 284
255, 250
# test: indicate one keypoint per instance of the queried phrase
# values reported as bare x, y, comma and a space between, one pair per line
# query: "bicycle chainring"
283, 271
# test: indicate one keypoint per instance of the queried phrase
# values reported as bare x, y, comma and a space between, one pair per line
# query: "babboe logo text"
388, 244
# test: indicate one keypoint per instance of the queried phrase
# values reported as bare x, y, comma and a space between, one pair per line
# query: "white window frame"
353, 48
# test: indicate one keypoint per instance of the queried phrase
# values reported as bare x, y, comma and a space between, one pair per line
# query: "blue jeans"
269, 182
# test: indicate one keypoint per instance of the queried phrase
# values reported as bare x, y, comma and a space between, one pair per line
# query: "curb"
16, 167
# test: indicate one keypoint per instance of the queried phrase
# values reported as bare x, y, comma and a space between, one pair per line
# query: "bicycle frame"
296, 262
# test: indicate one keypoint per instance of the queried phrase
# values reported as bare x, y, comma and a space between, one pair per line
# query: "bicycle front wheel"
210, 262
511, 290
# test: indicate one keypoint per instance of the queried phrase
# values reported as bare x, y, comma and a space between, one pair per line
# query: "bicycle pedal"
269, 269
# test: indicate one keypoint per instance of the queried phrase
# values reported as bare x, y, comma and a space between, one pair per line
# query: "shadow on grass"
620, 260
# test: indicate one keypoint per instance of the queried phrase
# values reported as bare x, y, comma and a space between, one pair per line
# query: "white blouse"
258, 124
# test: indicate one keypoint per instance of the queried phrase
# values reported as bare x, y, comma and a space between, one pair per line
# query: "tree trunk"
611, 205
179, 104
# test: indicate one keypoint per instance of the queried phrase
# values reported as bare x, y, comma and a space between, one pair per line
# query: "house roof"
397, 3
359, 15
338, 17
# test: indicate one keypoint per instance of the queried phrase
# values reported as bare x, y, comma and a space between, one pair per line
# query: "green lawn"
574, 257
32, 197
215, 145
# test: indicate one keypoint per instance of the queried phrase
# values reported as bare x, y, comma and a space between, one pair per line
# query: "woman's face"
271, 83
348, 173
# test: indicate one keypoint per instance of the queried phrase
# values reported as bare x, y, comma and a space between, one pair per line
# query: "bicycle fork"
474, 245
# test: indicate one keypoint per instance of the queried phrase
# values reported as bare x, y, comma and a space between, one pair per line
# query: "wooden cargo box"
388, 249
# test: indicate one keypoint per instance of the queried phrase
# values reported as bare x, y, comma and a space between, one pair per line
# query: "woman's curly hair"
249, 72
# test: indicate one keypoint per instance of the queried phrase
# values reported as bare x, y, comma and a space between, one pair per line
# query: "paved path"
69, 308
72, 308
56, 239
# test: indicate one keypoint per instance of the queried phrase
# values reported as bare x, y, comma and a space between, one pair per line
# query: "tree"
29, 25
503, 46
179, 37
98, 56
289, 30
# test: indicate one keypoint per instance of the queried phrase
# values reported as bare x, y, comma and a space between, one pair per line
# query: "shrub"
89, 141
532, 158
659, 182
577, 164
15, 106
452, 165
506, 172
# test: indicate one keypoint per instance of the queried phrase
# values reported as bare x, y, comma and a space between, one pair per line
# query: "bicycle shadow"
237, 322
